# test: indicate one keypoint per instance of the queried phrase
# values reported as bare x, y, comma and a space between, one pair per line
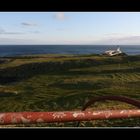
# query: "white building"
113, 52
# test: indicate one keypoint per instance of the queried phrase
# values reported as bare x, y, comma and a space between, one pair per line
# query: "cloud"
132, 38
11, 41
60, 16
34, 32
28, 24
61, 29
129, 39
114, 35
112, 39
2, 31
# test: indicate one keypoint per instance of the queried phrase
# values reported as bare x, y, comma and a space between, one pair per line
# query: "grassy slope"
56, 83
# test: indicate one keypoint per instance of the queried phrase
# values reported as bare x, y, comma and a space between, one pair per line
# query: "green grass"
66, 82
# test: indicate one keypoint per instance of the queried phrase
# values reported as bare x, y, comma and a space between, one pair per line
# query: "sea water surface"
17, 50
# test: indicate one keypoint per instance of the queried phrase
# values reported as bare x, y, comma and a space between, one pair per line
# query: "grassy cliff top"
67, 82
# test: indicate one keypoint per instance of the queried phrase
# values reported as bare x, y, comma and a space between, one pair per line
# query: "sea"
18, 50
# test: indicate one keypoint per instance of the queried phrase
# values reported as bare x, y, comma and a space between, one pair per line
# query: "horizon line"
76, 44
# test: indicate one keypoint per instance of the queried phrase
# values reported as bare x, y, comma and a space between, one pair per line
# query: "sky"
93, 28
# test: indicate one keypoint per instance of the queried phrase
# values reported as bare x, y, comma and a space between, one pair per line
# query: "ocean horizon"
18, 50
